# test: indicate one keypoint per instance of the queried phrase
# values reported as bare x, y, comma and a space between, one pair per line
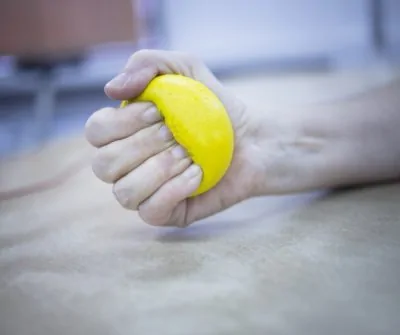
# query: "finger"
129, 84
111, 124
165, 206
118, 158
142, 67
142, 182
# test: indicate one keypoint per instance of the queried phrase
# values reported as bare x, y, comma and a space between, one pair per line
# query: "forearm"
348, 142
369, 137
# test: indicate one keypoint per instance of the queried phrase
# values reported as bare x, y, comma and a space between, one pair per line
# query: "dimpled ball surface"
198, 121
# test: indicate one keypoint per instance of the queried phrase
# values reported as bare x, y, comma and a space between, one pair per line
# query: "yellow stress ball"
198, 121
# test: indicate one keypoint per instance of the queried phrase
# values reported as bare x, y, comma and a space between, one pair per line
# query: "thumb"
144, 65
141, 68
130, 83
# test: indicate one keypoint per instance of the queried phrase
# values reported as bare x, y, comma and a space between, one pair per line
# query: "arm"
276, 152
348, 142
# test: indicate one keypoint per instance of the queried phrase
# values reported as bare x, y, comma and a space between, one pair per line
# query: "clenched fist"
149, 171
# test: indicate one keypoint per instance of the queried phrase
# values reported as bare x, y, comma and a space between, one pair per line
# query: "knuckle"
95, 125
149, 217
154, 129
189, 57
102, 165
148, 113
192, 63
143, 56
166, 163
143, 53
155, 137
159, 166
123, 195
143, 141
183, 223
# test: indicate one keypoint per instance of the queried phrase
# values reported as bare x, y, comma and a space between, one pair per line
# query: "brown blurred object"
49, 28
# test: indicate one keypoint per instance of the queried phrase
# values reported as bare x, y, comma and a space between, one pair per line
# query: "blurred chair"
44, 35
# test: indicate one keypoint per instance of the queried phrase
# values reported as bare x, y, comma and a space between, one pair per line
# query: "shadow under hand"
263, 211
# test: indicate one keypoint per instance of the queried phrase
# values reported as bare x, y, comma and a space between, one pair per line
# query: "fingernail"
165, 133
192, 171
151, 115
178, 152
119, 81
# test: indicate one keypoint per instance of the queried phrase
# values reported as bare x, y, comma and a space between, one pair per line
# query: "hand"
150, 172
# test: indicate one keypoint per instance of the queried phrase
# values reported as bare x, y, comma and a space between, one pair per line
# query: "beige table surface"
73, 262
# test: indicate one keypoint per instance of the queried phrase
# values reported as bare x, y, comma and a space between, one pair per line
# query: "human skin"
276, 151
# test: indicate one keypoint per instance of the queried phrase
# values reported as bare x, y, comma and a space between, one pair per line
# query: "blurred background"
73, 261
56, 56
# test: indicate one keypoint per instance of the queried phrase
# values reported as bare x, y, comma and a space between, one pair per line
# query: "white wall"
235, 30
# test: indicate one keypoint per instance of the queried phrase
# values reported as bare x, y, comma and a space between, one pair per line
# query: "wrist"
299, 150
349, 142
